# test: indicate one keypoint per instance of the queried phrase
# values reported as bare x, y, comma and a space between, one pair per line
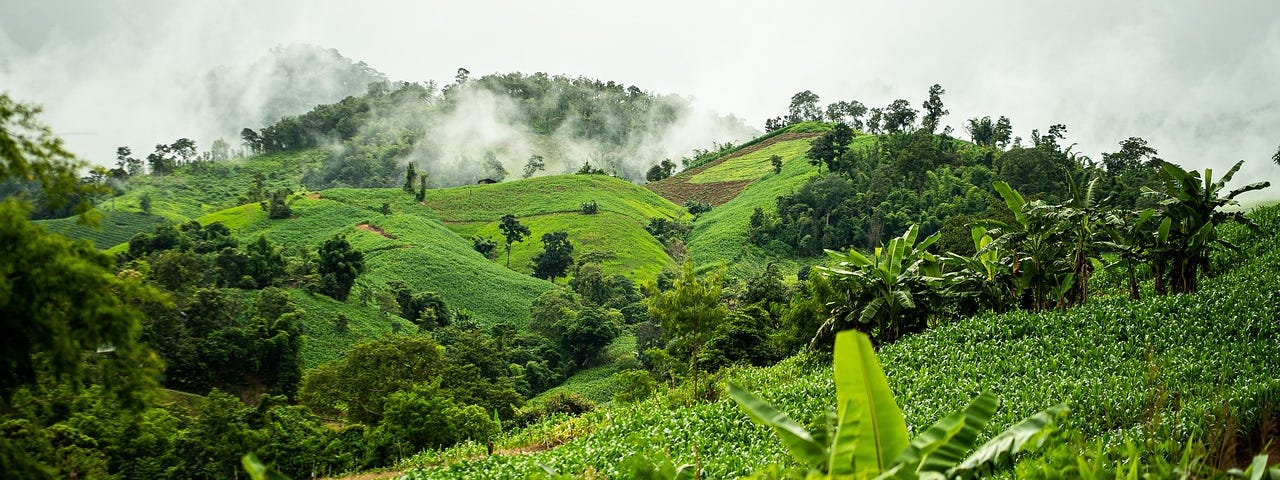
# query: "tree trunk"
1134, 294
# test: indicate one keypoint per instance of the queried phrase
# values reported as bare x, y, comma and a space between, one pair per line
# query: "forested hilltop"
367, 286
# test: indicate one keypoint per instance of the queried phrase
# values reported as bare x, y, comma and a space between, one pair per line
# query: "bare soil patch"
370, 228
678, 190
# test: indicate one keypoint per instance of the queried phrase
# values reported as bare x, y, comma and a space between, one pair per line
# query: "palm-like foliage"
1191, 207
1037, 246
887, 294
871, 440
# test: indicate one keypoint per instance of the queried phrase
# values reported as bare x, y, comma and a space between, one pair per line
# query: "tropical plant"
1191, 207
870, 439
885, 295
1036, 246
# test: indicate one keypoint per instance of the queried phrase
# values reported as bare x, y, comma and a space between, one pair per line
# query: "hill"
547, 204
1174, 366
408, 245
736, 183
115, 227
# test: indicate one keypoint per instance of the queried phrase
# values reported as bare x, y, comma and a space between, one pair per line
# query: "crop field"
719, 237
1187, 362
629, 250
113, 228
412, 248
597, 384
552, 194
196, 190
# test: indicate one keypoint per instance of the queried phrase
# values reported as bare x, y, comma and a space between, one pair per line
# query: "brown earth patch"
367, 476
314, 196
370, 228
678, 190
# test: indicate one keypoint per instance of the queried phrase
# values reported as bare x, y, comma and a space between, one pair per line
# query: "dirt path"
370, 228
678, 190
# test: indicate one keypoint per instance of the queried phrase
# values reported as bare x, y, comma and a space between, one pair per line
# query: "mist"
1196, 79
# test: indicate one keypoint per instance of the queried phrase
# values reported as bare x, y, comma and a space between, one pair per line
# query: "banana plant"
977, 282
1191, 204
1257, 470
1036, 248
885, 294
870, 439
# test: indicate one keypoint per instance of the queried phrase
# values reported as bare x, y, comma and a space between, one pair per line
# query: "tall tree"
60, 299
689, 312
534, 165
410, 175
513, 231
556, 256
804, 108
339, 266
933, 109
899, 116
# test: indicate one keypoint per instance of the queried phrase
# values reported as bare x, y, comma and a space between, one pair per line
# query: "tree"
493, 168
144, 203
410, 175
899, 116
61, 300
804, 108
1190, 214
660, 170
850, 112
126, 163
486, 246
689, 312
513, 231
362, 379
1276, 157
981, 130
251, 140
276, 207
534, 165
184, 149
776, 161
220, 150
885, 295
933, 109
339, 266
556, 256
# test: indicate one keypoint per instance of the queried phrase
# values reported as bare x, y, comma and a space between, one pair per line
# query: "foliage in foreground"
1120, 363
870, 438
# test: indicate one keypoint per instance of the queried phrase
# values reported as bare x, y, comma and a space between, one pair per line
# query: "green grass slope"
409, 245
547, 204
719, 237
1116, 362
115, 227
201, 189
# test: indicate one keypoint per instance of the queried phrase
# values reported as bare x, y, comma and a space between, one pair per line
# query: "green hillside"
408, 245
204, 188
115, 227
547, 204
1173, 366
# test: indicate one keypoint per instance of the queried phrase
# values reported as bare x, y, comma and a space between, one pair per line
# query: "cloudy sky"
1199, 80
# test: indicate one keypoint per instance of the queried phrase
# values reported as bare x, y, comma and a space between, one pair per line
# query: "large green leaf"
797, 440
861, 384
1013, 200
951, 450
259, 471
845, 444
1031, 432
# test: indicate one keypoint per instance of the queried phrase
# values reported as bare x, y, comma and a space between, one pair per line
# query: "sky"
1200, 80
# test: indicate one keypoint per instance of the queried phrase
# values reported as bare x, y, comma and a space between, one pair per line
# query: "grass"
113, 228
596, 383
323, 340
1121, 365
196, 190
719, 237
416, 249
551, 194
548, 204
753, 165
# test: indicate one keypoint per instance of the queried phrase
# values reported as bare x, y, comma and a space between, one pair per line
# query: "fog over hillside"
1196, 79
